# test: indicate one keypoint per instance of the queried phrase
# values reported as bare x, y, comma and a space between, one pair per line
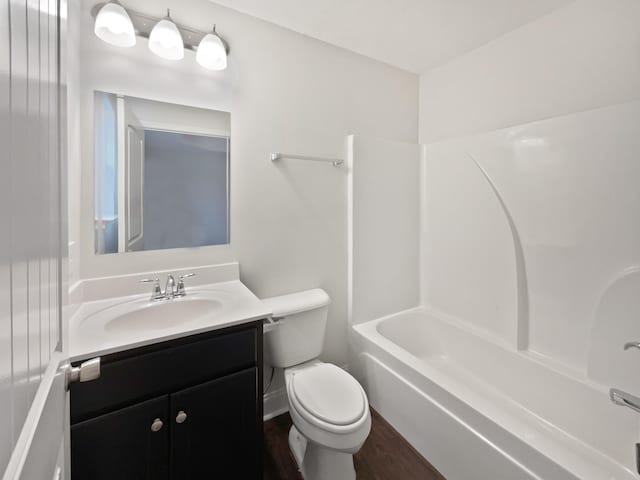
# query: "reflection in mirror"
161, 175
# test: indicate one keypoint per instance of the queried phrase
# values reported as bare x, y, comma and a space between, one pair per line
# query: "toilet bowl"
328, 407
331, 419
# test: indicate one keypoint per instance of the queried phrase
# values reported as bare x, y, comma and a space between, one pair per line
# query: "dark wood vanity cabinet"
180, 410
121, 444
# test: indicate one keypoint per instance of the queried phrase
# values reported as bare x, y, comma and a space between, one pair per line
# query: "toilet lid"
329, 394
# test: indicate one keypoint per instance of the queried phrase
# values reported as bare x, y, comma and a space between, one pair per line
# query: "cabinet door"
128, 444
215, 432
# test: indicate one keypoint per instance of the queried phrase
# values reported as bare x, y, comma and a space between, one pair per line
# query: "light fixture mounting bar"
143, 24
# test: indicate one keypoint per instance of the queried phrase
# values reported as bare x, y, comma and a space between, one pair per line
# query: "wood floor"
384, 456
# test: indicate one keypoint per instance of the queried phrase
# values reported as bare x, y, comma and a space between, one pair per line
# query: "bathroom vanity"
174, 403
180, 389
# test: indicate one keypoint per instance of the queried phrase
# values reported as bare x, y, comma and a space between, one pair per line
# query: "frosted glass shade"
114, 26
165, 40
211, 52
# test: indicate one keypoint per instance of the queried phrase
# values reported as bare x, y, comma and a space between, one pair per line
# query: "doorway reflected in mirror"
161, 175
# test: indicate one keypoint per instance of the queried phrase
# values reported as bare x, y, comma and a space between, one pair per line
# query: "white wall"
33, 211
285, 92
167, 116
585, 55
569, 182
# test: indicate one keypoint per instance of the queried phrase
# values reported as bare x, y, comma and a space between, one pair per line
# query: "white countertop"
89, 338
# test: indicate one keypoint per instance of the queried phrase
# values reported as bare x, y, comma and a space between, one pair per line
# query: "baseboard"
275, 403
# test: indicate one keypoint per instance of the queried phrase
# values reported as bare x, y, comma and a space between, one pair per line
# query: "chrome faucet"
170, 287
625, 399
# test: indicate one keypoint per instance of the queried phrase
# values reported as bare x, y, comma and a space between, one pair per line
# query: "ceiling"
414, 35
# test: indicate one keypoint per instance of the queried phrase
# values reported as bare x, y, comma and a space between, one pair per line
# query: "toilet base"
316, 462
298, 445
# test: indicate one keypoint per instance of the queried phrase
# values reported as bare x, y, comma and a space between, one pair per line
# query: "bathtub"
477, 409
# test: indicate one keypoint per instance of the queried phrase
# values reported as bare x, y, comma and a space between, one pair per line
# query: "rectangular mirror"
161, 175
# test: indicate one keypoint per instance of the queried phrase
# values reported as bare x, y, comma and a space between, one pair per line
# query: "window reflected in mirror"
161, 175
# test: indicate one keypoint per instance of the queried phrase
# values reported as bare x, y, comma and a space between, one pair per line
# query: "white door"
130, 179
135, 188
32, 241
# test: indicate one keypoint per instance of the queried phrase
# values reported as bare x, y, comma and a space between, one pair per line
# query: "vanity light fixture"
113, 25
119, 26
165, 39
212, 52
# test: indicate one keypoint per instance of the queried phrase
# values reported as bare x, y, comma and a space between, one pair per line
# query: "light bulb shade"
211, 52
114, 26
165, 40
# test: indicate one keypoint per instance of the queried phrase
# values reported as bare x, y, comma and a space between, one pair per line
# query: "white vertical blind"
30, 206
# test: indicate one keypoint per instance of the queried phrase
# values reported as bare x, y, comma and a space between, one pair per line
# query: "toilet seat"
329, 398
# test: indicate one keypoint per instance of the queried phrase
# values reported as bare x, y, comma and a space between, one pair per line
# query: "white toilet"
329, 408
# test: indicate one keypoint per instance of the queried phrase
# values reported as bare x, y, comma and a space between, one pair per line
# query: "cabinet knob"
156, 426
181, 417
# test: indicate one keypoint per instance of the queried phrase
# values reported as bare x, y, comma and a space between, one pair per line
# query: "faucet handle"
149, 280
180, 291
629, 345
157, 291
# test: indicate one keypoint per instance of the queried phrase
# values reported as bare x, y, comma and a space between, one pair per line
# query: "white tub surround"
456, 393
528, 262
383, 212
95, 328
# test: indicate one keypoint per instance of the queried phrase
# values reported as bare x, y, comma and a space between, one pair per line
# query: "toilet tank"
296, 334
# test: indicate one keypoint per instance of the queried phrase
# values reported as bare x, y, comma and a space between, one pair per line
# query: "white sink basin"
109, 325
144, 315
163, 314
